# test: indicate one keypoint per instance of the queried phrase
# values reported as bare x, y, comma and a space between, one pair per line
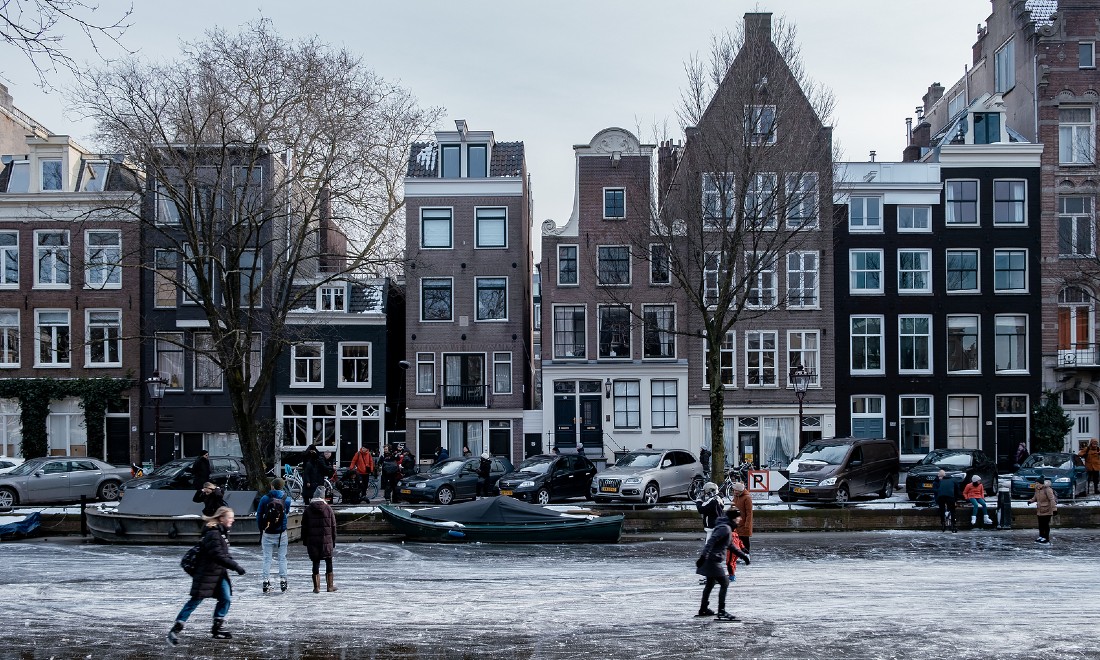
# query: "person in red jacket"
975, 494
363, 465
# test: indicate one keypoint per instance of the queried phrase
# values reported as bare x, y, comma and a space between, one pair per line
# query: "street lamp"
800, 378
155, 385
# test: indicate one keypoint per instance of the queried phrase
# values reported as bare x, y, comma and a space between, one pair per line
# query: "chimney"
665, 166
935, 93
758, 26
919, 141
5, 97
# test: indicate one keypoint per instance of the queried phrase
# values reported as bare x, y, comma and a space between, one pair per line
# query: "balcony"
465, 396
1079, 356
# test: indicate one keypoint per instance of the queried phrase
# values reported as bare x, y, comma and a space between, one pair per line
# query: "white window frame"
20, 179
1076, 220
90, 342
191, 268
762, 292
341, 381
94, 175
59, 254
582, 330
761, 197
486, 282
1076, 136
308, 362
255, 359
11, 338
766, 377
802, 201
853, 271
867, 338
914, 336
902, 417
664, 391
719, 200
859, 219
1086, 54
867, 399
425, 373
956, 437
487, 215
603, 313
664, 262
1011, 202
9, 260
167, 211
803, 265
712, 274
332, 298
199, 357
434, 215
1004, 66
997, 348
42, 163
162, 280
576, 264
951, 202
808, 356
165, 343
502, 372
1000, 252
908, 215
600, 260
977, 271
670, 332
627, 404
450, 287
758, 131
977, 343
55, 337
603, 199
728, 349
925, 269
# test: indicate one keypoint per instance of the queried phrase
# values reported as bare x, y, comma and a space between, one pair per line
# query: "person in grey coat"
711, 564
319, 535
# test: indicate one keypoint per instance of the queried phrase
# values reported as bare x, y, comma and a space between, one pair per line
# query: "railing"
465, 396
1079, 355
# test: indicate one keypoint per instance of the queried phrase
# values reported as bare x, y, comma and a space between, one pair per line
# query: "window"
1075, 227
332, 298
104, 330
628, 404
20, 180
914, 344
208, 375
760, 202
51, 262
492, 227
987, 127
914, 271
962, 271
1010, 271
614, 332
450, 161
761, 358
728, 351
248, 197
569, 341
613, 264
193, 275
255, 359
567, 264
492, 298
502, 373
865, 271
660, 328
1004, 67
464, 380
663, 395
713, 278
51, 174
355, 364
865, 214
915, 424
477, 161
802, 280
763, 289
9, 337
1009, 202
1011, 342
866, 338
53, 339
614, 203
804, 348
1076, 325
1075, 136
914, 218
802, 200
962, 202
963, 422
868, 419
660, 264
425, 373
94, 176
250, 277
167, 211
164, 278
308, 364
962, 344
760, 124
436, 302
9, 258
435, 228
168, 361
718, 200
1086, 55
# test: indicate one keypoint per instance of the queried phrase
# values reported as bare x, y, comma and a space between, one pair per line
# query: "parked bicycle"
733, 475
293, 479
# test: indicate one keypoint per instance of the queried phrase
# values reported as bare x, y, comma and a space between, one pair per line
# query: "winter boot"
988, 521
316, 583
218, 632
267, 586
725, 616
328, 582
973, 520
705, 611
174, 633
282, 585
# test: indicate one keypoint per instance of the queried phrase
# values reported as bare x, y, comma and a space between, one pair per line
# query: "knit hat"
320, 494
710, 488
277, 484
738, 486
975, 478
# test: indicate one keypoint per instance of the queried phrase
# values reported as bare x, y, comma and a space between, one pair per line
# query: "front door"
1011, 431
592, 423
1084, 428
118, 440
565, 421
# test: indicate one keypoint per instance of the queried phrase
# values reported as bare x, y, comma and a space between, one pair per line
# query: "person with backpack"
319, 536
211, 576
271, 518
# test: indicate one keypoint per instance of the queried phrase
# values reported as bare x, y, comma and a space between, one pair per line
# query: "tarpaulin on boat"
22, 528
491, 510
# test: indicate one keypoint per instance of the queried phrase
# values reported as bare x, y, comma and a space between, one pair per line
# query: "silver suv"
647, 475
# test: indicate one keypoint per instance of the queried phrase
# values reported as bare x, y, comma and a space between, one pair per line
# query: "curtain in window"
778, 440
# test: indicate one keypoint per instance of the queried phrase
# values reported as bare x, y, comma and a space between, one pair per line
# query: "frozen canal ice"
806, 595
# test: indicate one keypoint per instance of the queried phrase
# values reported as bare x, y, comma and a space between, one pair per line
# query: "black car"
226, 471
544, 478
449, 481
961, 464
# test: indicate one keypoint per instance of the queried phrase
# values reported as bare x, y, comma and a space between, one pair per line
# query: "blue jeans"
269, 542
978, 503
221, 592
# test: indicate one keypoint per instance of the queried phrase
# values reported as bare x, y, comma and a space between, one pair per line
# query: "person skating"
1091, 455
211, 496
273, 535
710, 506
1046, 505
211, 578
975, 494
711, 564
1004, 504
319, 536
743, 501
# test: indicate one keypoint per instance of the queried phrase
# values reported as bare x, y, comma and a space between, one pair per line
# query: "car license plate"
802, 490
406, 491
928, 484
608, 489
505, 492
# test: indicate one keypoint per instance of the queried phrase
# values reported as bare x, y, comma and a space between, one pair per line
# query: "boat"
170, 517
502, 519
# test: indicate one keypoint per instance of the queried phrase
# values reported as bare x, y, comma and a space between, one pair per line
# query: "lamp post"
155, 385
800, 378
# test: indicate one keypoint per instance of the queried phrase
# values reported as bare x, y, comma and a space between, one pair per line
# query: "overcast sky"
553, 74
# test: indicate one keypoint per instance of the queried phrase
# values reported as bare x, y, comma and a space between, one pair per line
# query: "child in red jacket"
975, 494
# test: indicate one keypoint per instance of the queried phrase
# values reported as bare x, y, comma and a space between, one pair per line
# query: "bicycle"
733, 475
293, 479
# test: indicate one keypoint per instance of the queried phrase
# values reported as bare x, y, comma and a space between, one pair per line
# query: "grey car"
648, 475
61, 479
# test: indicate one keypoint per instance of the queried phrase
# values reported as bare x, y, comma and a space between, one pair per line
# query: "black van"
838, 469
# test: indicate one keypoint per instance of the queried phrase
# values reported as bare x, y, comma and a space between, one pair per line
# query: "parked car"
9, 464
648, 475
61, 479
450, 480
838, 469
226, 471
959, 464
544, 478
1065, 471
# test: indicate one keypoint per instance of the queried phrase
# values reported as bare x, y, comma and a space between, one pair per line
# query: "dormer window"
332, 298
20, 179
450, 161
987, 127
51, 174
477, 161
94, 177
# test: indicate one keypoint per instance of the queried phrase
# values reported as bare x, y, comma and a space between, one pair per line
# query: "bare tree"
38, 29
261, 156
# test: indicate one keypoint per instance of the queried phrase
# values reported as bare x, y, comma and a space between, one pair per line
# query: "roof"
506, 159
1042, 11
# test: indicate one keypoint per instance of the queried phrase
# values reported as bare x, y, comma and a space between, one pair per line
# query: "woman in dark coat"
319, 535
712, 563
314, 471
211, 579
211, 497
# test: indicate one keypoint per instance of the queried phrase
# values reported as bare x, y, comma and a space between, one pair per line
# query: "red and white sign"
763, 482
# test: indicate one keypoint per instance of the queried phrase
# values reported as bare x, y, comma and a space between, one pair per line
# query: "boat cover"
164, 502
21, 528
500, 509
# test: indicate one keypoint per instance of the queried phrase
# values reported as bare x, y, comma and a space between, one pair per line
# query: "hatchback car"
449, 481
226, 471
544, 478
961, 464
1064, 471
648, 475
61, 479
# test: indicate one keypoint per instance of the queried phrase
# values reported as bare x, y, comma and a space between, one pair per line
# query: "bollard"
83, 515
